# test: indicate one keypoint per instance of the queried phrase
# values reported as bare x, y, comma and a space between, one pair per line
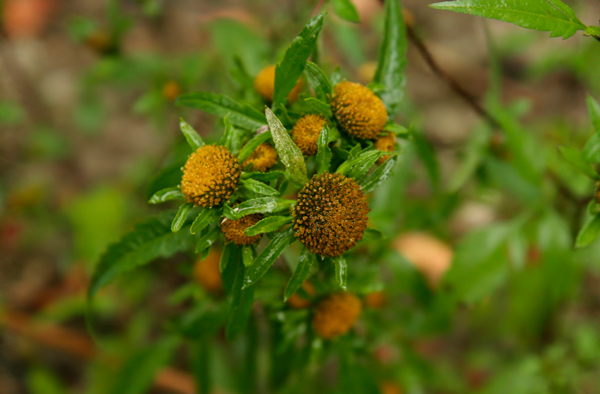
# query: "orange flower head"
375, 299
206, 272
234, 229
264, 83
306, 133
210, 176
386, 144
263, 158
336, 314
358, 110
296, 301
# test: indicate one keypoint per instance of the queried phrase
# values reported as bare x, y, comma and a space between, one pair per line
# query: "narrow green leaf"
377, 177
241, 115
226, 255
321, 107
267, 257
306, 262
247, 256
589, 232
341, 271
323, 151
208, 239
398, 130
543, 15
263, 176
291, 67
257, 205
372, 234
240, 305
247, 150
319, 81
346, 10
576, 158
227, 137
170, 193
356, 168
288, 151
191, 136
146, 242
204, 218
594, 112
267, 225
259, 187
591, 150
392, 58
181, 216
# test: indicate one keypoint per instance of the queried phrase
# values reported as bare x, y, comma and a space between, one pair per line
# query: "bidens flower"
386, 144
264, 83
210, 176
336, 314
263, 158
206, 272
358, 110
306, 133
234, 229
330, 216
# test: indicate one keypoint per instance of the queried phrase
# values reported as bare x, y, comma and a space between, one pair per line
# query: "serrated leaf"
346, 10
181, 216
209, 238
377, 177
257, 205
259, 187
204, 218
146, 242
247, 256
240, 305
263, 176
191, 136
291, 67
247, 150
392, 58
543, 15
305, 264
576, 158
319, 106
241, 115
589, 232
289, 153
323, 151
341, 271
319, 81
268, 225
170, 193
267, 257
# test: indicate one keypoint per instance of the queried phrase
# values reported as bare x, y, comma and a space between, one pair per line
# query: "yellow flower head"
206, 272
358, 110
331, 214
386, 144
264, 83
336, 314
234, 229
306, 133
263, 158
210, 176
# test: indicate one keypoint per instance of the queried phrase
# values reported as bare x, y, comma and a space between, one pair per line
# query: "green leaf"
589, 232
263, 176
170, 193
319, 81
319, 106
323, 151
306, 262
138, 372
228, 134
204, 218
267, 257
181, 216
576, 158
241, 115
208, 239
247, 256
398, 130
192, 137
346, 10
226, 256
291, 67
591, 150
247, 150
146, 242
240, 306
593, 31
594, 112
543, 15
341, 271
257, 205
288, 151
392, 58
356, 168
377, 177
259, 187
267, 225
